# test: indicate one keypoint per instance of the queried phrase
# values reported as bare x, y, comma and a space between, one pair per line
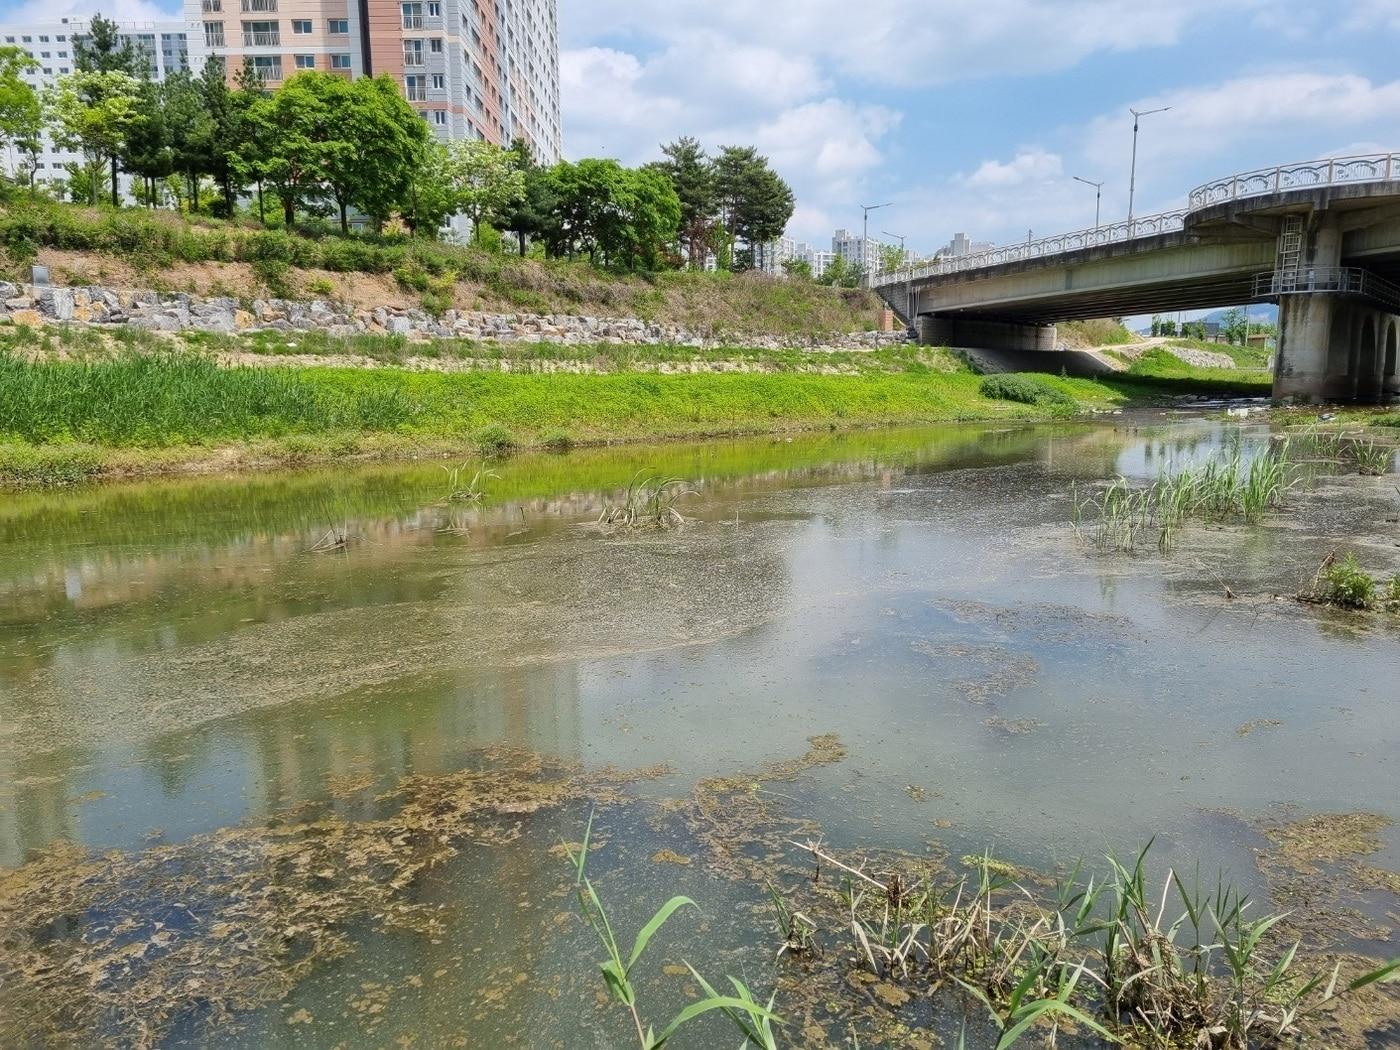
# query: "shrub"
496, 440
557, 441
320, 286
273, 275
1346, 584
1027, 390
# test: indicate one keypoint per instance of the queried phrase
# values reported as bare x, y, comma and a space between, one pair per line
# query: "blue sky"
970, 115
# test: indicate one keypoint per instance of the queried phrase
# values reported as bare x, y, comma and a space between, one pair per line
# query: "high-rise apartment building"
51, 43
482, 69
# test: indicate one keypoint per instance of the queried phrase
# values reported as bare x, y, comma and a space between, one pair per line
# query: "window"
262, 34
43, 40
301, 25
439, 82
434, 10
48, 72
413, 88
27, 39
340, 61
61, 39
435, 45
440, 117
305, 61
9, 40
339, 26
63, 71
412, 15
44, 54
214, 34
268, 67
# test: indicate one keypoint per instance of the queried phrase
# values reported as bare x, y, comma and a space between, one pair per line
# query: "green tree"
533, 211
146, 151
755, 202
389, 138
485, 179
652, 210
798, 269
227, 111
190, 130
104, 50
891, 258
693, 176
93, 112
285, 147
21, 118
1156, 324
1235, 326
430, 196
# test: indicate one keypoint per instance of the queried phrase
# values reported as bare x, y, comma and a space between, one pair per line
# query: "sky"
968, 115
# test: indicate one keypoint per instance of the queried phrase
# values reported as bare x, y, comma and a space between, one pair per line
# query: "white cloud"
1028, 166
912, 41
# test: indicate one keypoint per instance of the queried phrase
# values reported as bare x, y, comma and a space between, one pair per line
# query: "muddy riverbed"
291, 760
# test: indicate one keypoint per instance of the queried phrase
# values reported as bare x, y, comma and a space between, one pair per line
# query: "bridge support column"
977, 334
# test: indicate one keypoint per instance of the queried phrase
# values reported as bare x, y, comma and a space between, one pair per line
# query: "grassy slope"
162, 250
1169, 372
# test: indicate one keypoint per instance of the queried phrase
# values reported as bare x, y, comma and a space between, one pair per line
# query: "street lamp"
1132, 180
1098, 196
865, 230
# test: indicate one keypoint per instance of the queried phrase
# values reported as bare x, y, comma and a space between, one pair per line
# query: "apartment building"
51, 43
482, 69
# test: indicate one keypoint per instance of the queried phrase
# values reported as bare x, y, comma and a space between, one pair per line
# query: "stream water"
189, 667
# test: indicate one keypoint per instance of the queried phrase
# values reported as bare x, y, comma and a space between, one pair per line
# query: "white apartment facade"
474, 69
51, 43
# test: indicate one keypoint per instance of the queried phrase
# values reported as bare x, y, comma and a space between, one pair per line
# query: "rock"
27, 317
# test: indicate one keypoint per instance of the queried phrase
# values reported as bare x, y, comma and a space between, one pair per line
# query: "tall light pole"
865, 230
1132, 179
1098, 196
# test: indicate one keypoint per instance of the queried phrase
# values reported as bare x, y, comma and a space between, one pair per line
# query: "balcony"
210, 6
413, 21
214, 38
259, 5
416, 94
273, 39
271, 73
412, 57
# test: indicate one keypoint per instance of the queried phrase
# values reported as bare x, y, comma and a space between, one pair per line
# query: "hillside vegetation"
166, 251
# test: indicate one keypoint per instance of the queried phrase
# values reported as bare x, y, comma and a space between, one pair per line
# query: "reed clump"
1175, 966
648, 503
1221, 489
1342, 582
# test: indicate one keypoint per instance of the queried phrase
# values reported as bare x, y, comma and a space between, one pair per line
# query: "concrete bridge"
1321, 239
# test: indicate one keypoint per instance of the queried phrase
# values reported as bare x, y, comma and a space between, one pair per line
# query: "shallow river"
194, 674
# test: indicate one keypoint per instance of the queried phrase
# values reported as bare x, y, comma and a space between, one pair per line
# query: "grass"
67, 417
1343, 583
1221, 489
753, 1020
1027, 390
1168, 371
1175, 966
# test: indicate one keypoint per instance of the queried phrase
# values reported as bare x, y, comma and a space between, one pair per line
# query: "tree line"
324, 145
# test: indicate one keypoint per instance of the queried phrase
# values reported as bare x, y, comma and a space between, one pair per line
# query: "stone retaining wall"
31, 305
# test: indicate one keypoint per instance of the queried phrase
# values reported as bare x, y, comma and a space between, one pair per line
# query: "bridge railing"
1336, 171
1040, 248
1345, 280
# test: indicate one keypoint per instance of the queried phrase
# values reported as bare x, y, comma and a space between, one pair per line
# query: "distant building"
960, 246
856, 250
471, 70
50, 42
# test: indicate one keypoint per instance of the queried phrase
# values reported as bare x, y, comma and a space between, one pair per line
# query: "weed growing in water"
649, 502
1217, 490
752, 1019
461, 490
1186, 967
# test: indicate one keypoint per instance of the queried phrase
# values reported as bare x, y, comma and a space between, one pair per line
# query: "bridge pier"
1332, 345
977, 334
